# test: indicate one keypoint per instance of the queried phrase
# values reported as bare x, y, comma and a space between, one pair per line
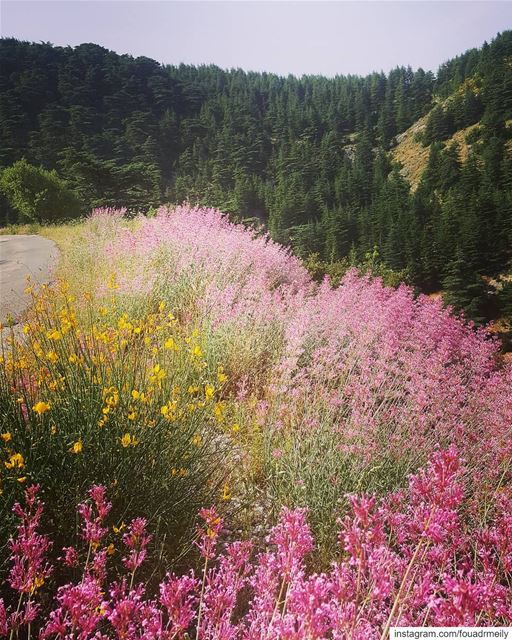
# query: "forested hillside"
314, 159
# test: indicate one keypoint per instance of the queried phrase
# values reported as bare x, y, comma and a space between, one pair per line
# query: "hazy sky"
282, 37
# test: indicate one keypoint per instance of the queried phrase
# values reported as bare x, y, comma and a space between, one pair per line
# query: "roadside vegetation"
179, 365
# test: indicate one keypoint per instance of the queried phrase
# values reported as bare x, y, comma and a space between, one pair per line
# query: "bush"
328, 390
407, 560
38, 195
129, 402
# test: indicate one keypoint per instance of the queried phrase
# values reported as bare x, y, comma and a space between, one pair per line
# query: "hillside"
413, 156
308, 157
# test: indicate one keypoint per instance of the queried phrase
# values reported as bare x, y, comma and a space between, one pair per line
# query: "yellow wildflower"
226, 493
111, 396
123, 323
41, 407
235, 428
118, 529
170, 344
169, 409
129, 440
196, 351
218, 411
37, 349
38, 583
76, 447
52, 356
209, 390
111, 549
132, 415
6, 437
157, 375
73, 358
16, 461
197, 440
112, 282
22, 479
54, 334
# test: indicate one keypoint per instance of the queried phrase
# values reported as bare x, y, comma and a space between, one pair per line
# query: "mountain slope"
306, 157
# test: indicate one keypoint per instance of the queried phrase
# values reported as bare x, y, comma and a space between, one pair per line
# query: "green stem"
16, 614
29, 624
201, 599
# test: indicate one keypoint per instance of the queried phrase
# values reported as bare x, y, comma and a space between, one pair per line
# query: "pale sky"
306, 37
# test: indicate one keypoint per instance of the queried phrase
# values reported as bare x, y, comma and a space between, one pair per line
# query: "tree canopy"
308, 157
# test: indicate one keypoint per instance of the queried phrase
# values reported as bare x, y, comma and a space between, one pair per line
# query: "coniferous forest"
313, 159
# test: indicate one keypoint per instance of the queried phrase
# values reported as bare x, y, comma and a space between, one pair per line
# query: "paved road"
22, 255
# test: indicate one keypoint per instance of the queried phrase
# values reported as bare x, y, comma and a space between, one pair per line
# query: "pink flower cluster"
409, 559
236, 272
29, 566
395, 373
390, 373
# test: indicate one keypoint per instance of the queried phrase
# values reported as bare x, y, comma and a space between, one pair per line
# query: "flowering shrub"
89, 394
185, 361
409, 559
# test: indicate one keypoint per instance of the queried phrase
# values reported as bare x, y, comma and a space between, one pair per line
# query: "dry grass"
411, 154
460, 139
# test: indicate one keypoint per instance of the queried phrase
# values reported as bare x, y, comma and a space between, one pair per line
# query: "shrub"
38, 195
408, 560
327, 391
102, 397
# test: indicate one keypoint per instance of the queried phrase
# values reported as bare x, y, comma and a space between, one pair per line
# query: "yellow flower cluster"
126, 373
41, 407
76, 447
14, 461
128, 440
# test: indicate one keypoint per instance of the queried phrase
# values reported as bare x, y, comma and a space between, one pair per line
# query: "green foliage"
107, 410
36, 194
505, 299
319, 268
303, 469
373, 265
307, 158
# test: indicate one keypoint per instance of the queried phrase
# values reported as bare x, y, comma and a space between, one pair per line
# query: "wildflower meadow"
199, 441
